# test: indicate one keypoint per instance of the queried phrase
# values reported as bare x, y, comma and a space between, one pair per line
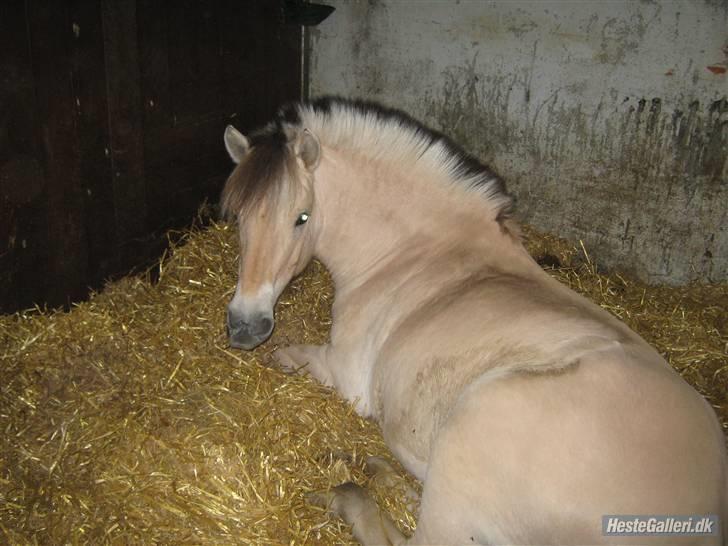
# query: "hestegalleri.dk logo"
660, 525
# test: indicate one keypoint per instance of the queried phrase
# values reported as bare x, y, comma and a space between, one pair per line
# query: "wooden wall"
111, 121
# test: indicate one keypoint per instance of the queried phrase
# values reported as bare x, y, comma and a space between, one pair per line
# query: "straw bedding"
128, 419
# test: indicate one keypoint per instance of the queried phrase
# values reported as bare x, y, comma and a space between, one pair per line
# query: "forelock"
261, 173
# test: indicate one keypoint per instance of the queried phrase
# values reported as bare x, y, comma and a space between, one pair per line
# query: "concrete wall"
609, 120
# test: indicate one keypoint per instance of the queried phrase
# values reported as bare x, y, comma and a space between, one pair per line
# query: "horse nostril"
234, 324
266, 324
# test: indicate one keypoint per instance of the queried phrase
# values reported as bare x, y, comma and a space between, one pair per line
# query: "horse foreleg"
305, 359
354, 505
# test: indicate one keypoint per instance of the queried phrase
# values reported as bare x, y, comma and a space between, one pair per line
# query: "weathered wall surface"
609, 120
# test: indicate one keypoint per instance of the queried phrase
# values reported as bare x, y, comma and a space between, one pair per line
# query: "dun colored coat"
527, 411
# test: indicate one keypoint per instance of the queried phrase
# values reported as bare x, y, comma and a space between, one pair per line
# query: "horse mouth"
246, 342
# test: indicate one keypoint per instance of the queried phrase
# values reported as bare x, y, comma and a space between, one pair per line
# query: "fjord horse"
527, 411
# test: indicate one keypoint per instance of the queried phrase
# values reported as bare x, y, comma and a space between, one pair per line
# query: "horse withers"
527, 411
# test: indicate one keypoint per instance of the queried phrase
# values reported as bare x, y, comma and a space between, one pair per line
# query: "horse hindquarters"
538, 459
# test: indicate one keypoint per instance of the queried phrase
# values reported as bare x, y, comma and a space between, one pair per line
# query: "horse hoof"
375, 466
339, 498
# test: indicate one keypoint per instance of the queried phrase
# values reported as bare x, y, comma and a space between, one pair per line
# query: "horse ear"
308, 148
236, 144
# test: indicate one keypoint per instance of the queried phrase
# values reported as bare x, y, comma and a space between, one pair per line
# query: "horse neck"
373, 214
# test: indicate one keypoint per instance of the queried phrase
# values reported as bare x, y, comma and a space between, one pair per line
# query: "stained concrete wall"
609, 120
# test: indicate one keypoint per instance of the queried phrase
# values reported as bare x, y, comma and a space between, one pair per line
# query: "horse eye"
302, 219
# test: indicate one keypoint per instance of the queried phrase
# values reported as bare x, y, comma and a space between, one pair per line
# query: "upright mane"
383, 133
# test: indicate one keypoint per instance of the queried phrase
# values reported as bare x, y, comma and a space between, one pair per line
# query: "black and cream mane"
384, 133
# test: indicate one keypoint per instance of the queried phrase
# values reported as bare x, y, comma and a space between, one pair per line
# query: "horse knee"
383, 474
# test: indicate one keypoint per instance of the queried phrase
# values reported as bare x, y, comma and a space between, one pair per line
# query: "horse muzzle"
247, 334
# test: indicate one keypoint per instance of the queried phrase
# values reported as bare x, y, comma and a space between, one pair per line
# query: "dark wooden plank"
23, 259
92, 122
126, 145
50, 36
194, 61
154, 63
